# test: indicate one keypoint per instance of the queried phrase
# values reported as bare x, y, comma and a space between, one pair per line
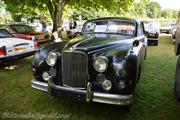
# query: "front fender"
41, 54
38, 64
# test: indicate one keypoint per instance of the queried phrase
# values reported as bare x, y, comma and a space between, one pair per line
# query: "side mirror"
136, 43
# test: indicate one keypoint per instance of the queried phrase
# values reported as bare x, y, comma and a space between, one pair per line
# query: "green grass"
154, 97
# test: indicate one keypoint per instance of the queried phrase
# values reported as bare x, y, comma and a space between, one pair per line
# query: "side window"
140, 30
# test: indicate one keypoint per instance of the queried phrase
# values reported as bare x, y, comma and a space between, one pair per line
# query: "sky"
172, 4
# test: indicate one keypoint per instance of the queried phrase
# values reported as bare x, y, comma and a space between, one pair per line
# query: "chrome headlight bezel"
99, 62
51, 59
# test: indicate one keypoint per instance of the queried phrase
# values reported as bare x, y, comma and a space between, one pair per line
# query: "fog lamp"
107, 85
100, 78
46, 76
122, 84
53, 72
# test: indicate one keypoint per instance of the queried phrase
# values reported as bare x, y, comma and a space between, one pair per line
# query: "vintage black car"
103, 65
177, 52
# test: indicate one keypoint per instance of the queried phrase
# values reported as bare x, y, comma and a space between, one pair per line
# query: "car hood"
90, 43
13, 41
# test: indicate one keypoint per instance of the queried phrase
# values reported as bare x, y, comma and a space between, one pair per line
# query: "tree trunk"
56, 8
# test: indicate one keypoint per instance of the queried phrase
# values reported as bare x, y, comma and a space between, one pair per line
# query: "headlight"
51, 59
101, 64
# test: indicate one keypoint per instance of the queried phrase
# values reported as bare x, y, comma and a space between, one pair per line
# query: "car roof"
116, 18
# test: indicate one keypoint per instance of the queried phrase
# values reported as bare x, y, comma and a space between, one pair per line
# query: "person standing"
44, 26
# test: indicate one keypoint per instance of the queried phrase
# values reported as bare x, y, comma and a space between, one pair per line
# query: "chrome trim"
89, 92
95, 97
83, 71
112, 98
39, 85
50, 84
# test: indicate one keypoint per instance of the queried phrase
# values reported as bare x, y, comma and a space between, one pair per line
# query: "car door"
143, 41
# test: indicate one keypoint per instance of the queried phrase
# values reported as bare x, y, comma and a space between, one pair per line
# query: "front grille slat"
74, 69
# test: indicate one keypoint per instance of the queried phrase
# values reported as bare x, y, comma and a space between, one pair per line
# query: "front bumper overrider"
86, 95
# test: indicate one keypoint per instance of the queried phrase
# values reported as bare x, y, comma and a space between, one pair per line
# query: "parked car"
177, 51
12, 48
169, 29
152, 29
103, 65
27, 32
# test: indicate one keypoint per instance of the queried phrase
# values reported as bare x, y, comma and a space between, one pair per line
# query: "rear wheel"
177, 81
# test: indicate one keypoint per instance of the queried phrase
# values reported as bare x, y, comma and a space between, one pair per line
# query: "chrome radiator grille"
74, 69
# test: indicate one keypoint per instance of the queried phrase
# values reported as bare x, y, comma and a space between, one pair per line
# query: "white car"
12, 48
152, 29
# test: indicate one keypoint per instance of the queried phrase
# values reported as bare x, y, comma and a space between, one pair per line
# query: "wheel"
177, 81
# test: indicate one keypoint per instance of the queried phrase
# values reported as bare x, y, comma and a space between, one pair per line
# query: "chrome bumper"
90, 95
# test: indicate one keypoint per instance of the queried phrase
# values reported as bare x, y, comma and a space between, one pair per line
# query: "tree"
4, 15
21, 8
153, 10
139, 8
56, 7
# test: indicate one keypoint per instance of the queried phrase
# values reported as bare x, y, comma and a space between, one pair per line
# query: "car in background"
169, 29
27, 32
12, 48
152, 29
102, 65
177, 52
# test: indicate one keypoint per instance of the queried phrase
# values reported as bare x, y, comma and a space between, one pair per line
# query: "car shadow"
97, 110
15, 64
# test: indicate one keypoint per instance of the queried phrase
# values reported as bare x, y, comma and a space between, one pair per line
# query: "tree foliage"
168, 13
153, 10
4, 15
56, 7
139, 8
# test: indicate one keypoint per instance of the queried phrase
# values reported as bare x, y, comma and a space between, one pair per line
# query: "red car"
26, 32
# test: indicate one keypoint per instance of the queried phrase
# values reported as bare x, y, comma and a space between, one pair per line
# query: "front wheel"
177, 81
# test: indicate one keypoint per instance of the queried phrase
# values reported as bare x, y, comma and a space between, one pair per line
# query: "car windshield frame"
22, 28
5, 34
109, 23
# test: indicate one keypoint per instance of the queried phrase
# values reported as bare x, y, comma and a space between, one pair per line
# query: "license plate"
40, 37
152, 35
19, 49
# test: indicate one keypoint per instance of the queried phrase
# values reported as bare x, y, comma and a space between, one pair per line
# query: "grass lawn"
154, 98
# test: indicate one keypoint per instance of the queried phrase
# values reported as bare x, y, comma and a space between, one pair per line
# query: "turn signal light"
36, 45
3, 51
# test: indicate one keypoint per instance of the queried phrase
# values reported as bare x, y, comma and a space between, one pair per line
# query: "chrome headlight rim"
106, 61
51, 62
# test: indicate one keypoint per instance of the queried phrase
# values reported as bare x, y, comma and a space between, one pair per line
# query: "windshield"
4, 34
110, 26
22, 28
151, 25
